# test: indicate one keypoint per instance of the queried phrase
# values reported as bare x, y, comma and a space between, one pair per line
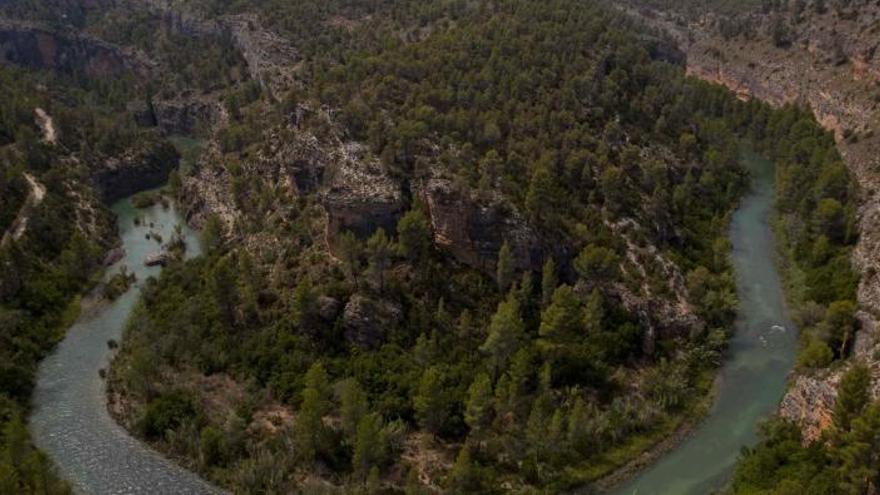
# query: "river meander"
71, 422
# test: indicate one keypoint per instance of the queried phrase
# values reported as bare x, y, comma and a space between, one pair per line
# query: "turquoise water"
70, 420
752, 380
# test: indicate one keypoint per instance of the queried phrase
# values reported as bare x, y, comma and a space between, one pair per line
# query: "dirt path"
19, 225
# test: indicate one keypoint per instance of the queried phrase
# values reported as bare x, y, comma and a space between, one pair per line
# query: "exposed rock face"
664, 316
31, 45
473, 229
137, 170
366, 320
832, 66
810, 402
209, 192
186, 114
271, 59
360, 196
328, 308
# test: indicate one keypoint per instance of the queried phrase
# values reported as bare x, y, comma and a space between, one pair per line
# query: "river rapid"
70, 421
762, 351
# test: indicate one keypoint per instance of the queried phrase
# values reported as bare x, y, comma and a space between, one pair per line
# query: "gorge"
449, 247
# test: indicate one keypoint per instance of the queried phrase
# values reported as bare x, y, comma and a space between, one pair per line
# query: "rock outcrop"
185, 114
367, 321
664, 316
35, 46
473, 227
271, 59
142, 168
810, 402
360, 196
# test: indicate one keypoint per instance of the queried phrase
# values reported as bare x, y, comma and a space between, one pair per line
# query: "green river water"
70, 421
761, 353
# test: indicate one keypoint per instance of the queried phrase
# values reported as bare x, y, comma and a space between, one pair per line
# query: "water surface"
752, 380
70, 420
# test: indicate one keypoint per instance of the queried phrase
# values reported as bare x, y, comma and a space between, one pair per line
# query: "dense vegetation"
536, 379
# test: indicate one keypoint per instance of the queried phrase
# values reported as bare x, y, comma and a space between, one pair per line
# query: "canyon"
831, 65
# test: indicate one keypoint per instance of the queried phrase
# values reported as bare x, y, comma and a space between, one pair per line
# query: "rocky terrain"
143, 167
33, 45
830, 63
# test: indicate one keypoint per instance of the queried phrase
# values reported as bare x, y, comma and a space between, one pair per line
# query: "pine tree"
429, 402
374, 485
578, 433
309, 427
379, 251
349, 252
852, 396
549, 281
369, 448
304, 301
352, 406
561, 321
858, 454
316, 379
594, 312
414, 235
506, 334
541, 196
463, 477
505, 270
478, 410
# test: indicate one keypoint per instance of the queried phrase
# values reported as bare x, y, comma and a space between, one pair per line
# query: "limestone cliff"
473, 227
41, 47
144, 167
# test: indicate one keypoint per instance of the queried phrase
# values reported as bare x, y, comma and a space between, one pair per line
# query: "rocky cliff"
472, 227
832, 64
32, 45
144, 167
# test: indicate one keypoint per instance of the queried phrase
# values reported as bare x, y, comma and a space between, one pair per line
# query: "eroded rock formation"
144, 167
35, 46
473, 226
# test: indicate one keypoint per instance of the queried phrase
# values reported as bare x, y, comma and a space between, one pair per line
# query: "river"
761, 353
70, 420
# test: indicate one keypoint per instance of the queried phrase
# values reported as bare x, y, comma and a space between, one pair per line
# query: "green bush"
166, 412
